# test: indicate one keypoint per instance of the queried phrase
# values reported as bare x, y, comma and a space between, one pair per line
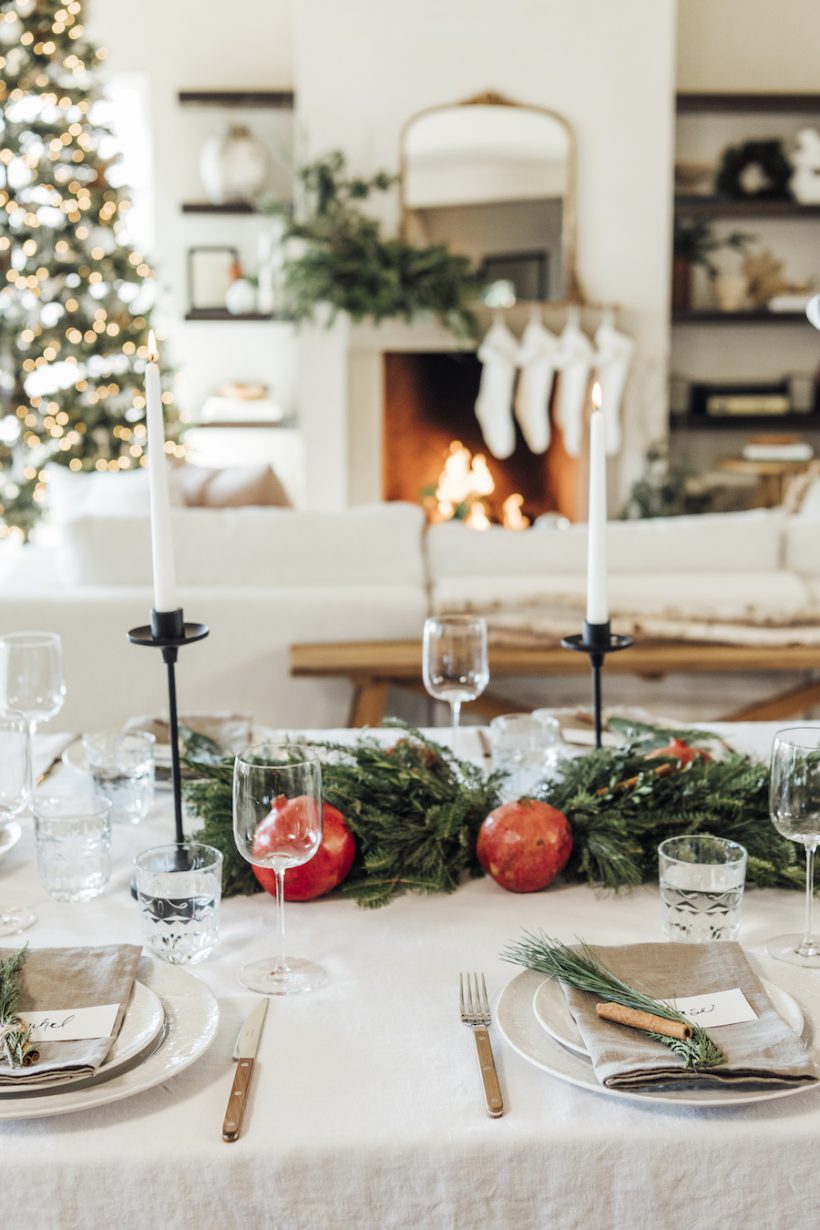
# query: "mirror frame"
572, 288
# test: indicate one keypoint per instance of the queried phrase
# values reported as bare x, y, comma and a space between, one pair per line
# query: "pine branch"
580, 968
14, 1039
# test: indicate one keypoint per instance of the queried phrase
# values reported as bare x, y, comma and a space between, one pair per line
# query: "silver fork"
475, 1012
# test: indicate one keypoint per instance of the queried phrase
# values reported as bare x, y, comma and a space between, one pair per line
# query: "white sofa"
263, 579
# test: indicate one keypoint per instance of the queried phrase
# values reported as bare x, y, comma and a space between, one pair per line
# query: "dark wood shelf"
283, 99
231, 207
718, 207
224, 314
713, 316
700, 103
743, 422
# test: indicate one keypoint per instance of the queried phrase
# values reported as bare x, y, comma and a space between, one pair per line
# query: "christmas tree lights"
75, 298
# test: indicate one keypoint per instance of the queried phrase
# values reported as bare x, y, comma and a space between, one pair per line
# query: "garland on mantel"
415, 811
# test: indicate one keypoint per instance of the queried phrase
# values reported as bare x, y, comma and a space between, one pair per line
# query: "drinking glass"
454, 662
73, 838
122, 770
15, 777
31, 679
794, 803
179, 888
701, 880
277, 823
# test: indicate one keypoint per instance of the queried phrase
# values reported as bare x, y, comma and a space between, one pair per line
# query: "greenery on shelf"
661, 489
75, 295
343, 259
696, 242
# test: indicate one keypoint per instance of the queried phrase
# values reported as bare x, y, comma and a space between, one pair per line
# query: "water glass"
519, 750
179, 888
73, 839
454, 661
122, 770
701, 882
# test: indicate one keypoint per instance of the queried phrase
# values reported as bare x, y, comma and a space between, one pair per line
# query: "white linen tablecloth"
367, 1108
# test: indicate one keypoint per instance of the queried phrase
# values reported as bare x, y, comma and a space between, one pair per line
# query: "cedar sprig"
579, 967
15, 1044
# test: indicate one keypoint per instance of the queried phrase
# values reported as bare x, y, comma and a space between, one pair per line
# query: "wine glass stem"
807, 937
455, 714
32, 729
280, 964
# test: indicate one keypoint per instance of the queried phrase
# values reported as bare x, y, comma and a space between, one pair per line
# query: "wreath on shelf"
755, 170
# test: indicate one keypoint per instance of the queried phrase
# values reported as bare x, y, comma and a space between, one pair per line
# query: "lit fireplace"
463, 488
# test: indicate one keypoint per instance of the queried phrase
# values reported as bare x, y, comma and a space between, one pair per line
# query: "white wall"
364, 68
206, 44
749, 45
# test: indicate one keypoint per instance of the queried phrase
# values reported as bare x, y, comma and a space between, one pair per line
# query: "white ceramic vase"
234, 167
240, 297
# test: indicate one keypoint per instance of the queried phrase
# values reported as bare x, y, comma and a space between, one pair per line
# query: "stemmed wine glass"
15, 775
31, 679
454, 663
277, 823
794, 802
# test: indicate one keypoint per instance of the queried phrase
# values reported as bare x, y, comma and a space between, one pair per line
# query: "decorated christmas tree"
75, 297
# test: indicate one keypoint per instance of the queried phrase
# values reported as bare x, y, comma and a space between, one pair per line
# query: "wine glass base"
299, 976
787, 948
14, 920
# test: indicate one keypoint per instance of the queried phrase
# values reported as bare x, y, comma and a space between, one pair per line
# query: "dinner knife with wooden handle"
247, 1044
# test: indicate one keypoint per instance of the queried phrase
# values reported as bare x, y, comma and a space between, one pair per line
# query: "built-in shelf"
205, 207
243, 424
224, 314
282, 99
691, 103
713, 316
744, 422
717, 207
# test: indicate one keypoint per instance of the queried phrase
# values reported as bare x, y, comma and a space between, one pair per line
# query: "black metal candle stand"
597, 640
168, 632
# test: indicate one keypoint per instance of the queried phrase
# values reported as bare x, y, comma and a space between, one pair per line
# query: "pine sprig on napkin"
14, 1037
580, 968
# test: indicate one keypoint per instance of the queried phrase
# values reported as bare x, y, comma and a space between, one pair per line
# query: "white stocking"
537, 356
575, 362
498, 353
613, 356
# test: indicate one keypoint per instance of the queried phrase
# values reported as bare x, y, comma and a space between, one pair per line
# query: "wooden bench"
374, 666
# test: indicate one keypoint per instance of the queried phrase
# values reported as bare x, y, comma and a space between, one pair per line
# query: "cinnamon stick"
629, 782
622, 1015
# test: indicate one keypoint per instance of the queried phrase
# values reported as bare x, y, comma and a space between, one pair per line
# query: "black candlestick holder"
597, 640
168, 632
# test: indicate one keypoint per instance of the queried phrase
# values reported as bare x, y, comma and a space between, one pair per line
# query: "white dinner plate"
521, 1029
191, 1020
10, 834
552, 1013
141, 1025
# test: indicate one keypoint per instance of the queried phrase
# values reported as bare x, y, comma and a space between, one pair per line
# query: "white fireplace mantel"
340, 391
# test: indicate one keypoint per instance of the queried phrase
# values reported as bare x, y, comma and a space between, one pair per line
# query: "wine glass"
15, 776
31, 679
277, 823
454, 662
794, 802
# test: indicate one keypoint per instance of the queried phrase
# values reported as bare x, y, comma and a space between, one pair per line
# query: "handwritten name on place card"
719, 1008
71, 1024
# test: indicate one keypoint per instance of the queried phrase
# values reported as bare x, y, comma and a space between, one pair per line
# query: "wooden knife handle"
238, 1098
492, 1089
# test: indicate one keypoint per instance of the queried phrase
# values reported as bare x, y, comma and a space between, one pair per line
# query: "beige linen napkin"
763, 1051
56, 978
232, 731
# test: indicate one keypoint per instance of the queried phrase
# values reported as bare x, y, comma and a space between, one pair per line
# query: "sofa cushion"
83, 494
721, 542
379, 544
231, 487
802, 549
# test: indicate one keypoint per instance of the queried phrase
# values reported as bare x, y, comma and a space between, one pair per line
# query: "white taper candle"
162, 548
597, 608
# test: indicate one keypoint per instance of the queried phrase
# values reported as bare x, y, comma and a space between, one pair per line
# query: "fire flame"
466, 480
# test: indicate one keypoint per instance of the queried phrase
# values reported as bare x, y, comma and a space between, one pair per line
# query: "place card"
71, 1024
719, 1008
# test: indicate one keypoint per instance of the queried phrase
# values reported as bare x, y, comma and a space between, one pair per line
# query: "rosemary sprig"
579, 967
14, 1039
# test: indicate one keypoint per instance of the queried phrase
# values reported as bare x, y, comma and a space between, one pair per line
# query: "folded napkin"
232, 731
57, 978
763, 1051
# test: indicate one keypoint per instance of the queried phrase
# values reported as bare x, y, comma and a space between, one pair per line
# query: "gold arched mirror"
495, 180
